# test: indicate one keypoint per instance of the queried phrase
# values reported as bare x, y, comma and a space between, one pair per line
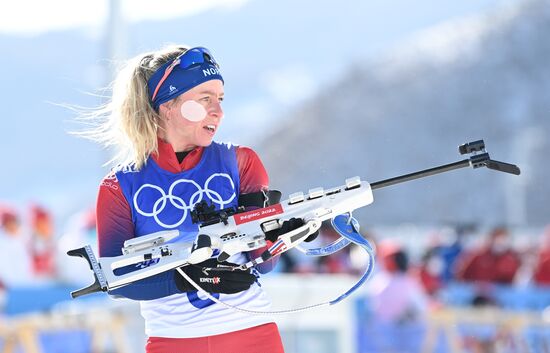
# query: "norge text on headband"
178, 76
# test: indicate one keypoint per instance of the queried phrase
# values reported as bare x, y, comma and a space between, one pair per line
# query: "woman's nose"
216, 109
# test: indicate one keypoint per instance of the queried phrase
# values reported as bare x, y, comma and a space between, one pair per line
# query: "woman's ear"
166, 110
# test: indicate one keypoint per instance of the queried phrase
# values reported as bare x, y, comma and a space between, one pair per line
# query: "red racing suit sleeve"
115, 225
254, 178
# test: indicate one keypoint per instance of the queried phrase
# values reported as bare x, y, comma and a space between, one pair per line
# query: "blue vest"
161, 200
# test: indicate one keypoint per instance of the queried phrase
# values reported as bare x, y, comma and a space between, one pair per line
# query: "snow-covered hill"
482, 77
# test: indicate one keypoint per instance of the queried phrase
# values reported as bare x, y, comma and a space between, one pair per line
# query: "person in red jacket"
14, 248
541, 272
495, 262
43, 243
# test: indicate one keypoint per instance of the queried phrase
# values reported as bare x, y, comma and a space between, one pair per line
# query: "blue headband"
190, 69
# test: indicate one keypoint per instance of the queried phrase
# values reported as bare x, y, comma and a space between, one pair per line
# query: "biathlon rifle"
230, 231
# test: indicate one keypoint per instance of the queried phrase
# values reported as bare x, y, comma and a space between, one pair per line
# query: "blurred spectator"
495, 262
15, 260
541, 272
430, 271
450, 251
3, 299
396, 295
80, 231
438, 263
296, 262
286, 263
43, 243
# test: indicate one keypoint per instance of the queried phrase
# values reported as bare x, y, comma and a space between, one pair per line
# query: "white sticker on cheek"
193, 111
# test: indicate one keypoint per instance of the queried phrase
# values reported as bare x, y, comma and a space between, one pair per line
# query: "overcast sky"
30, 17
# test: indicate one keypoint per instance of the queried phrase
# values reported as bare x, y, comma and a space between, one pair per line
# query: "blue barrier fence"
23, 302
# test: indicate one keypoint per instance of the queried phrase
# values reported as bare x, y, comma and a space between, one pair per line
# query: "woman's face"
181, 123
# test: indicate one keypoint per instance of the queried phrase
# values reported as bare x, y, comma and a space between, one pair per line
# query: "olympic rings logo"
160, 204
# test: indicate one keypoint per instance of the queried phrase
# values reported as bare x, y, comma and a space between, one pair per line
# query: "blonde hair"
128, 122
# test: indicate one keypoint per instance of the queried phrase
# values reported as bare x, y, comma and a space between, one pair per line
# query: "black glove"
288, 226
227, 282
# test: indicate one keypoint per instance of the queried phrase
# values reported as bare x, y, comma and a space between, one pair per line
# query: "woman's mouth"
210, 128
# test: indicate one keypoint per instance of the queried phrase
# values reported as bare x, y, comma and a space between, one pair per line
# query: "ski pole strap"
330, 249
348, 228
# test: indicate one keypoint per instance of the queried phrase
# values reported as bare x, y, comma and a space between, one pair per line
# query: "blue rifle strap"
348, 228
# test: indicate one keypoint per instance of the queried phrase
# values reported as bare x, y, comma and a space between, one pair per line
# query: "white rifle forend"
244, 231
153, 249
